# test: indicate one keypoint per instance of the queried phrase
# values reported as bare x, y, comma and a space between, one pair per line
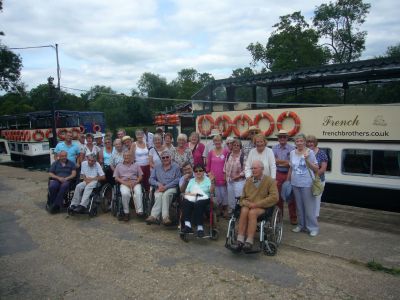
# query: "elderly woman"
91, 149
117, 155
215, 168
259, 193
107, 153
155, 152
322, 159
234, 173
142, 158
262, 153
197, 148
197, 196
303, 164
168, 139
182, 154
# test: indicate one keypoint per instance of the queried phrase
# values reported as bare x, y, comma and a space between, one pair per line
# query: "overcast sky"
114, 42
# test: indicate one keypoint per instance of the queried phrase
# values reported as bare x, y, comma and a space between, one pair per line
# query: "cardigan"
265, 195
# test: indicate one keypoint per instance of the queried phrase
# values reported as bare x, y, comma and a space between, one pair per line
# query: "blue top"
107, 156
73, 150
282, 153
63, 171
321, 157
169, 178
301, 177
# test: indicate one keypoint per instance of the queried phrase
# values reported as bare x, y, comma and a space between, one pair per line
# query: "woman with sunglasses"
197, 196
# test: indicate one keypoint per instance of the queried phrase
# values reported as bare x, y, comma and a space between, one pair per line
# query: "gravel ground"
57, 257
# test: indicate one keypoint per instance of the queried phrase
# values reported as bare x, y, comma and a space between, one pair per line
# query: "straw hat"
97, 135
282, 132
215, 132
254, 129
125, 138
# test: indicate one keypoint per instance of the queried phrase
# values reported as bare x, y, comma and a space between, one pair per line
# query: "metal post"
53, 140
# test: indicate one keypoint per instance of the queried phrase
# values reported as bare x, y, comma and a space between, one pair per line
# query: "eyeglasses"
165, 157
198, 170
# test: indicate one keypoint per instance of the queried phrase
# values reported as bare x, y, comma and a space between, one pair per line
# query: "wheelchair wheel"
270, 248
231, 234
184, 237
93, 212
277, 226
149, 203
106, 197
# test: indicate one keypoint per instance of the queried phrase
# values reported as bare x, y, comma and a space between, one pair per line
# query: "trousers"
57, 191
137, 197
82, 193
280, 179
162, 201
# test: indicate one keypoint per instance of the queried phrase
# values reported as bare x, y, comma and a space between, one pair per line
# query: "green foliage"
242, 72
393, 51
292, 45
375, 266
10, 69
189, 81
339, 23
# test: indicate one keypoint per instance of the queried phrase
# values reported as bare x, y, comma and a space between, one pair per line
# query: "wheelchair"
67, 196
94, 203
270, 230
210, 214
174, 207
115, 205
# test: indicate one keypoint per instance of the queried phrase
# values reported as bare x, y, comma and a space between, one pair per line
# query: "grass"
375, 266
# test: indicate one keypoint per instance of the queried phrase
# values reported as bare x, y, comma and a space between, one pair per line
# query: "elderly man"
121, 133
259, 193
246, 148
72, 149
282, 155
61, 172
98, 139
165, 178
129, 175
91, 172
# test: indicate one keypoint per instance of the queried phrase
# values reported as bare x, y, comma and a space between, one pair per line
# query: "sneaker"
247, 247
296, 229
237, 246
167, 221
313, 233
200, 233
187, 230
80, 209
151, 220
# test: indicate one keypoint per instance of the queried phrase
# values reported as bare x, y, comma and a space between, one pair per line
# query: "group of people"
226, 171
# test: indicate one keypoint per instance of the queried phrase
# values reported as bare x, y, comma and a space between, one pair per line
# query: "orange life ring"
61, 133
36, 137
244, 119
265, 115
75, 133
48, 133
289, 114
224, 119
96, 128
81, 129
203, 131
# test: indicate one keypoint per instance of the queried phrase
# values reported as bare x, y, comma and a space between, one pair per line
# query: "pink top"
198, 154
215, 164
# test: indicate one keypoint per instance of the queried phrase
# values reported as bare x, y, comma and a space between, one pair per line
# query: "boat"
29, 136
5, 155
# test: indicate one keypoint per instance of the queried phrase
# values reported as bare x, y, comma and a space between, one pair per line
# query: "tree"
339, 23
393, 51
189, 81
242, 72
292, 45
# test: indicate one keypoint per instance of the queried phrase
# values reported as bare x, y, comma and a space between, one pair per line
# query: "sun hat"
97, 135
125, 138
254, 128
282, 132
215, 132
229, 139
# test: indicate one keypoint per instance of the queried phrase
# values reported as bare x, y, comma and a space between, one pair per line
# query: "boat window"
328, 152
356, 161
386, 163
3, 149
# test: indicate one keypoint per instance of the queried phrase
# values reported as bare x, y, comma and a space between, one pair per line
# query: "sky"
113, 43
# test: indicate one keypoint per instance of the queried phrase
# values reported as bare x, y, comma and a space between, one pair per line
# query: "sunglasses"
165, 157
198, 170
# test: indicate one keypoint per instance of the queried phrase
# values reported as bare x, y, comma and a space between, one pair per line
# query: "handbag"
317, 188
